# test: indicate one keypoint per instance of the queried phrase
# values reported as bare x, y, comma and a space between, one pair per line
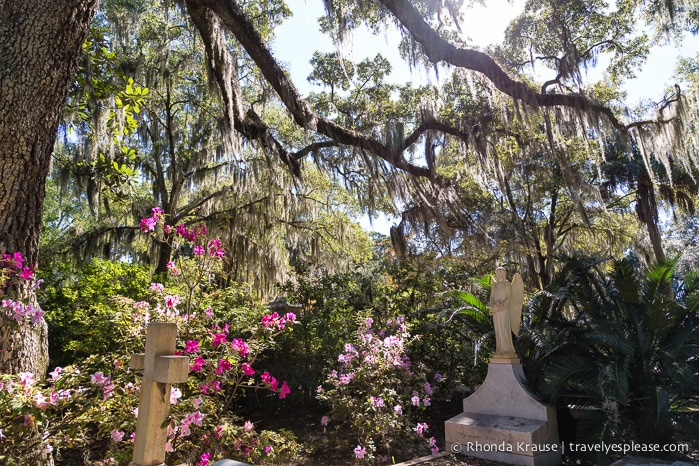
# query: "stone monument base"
503, 422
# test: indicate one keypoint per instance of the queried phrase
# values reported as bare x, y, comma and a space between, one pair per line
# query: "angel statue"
506, 305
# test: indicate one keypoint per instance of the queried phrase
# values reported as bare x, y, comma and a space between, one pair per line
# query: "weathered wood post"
161, 368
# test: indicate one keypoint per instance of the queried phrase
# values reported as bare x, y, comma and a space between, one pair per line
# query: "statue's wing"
516, 301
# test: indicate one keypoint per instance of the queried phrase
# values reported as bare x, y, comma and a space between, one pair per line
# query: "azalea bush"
90, 407
377, 396
16, 276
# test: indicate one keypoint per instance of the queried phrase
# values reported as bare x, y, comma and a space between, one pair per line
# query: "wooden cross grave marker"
161, 368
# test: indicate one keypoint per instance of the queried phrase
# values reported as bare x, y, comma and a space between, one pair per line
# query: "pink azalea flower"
117, 435
26, 378
247, 427
40, 401
98, 378
148, 224
269, 320
239, 345
284, 390
156, 288
26, 274
359, 452
421, 428
247, 369
192, 346
223, 365
218, 339
37, 316
197, 365
172, 300
172, 268
195, 418
198, 250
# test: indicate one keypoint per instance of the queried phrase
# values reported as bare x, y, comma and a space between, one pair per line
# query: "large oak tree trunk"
40, 43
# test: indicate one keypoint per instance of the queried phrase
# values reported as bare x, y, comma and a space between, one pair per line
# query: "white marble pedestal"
503, 422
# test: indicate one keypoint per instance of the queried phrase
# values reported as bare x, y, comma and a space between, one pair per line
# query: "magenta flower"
223, 365
239, 345
421, 428
16, 260
26, 274
247, 369
192, 346
218, 339
359, 452
204, 459
198, 251
198, 364
284, 390
214, 386
266, 377
269, 320
148, 224
172, 268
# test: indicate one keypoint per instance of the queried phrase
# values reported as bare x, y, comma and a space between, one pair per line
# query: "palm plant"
475, 322
620, 348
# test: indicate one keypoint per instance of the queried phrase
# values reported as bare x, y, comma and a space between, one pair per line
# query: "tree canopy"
512, 156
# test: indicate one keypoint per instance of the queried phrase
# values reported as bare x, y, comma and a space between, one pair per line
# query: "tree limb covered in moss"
439, 49
233, 17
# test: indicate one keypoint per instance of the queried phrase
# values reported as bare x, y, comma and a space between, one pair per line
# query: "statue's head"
500, 274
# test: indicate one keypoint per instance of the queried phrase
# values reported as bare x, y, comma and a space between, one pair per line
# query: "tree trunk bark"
40, 43
647, 211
